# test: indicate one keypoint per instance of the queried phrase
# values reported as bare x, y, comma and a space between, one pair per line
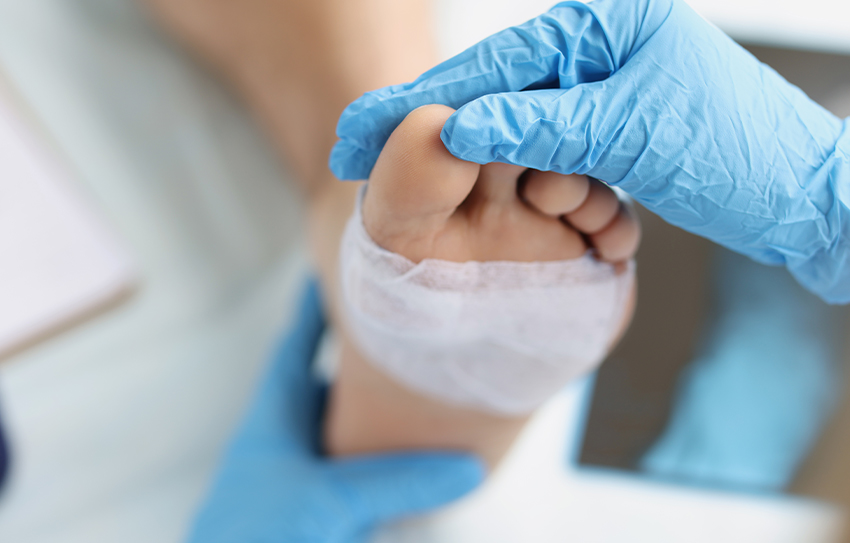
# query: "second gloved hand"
647, 96
274, 487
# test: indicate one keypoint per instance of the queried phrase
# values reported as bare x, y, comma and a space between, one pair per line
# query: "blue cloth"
275, 486
765, 381
647, 96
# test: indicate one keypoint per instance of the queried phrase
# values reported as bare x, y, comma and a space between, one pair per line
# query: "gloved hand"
647, 96
274, 486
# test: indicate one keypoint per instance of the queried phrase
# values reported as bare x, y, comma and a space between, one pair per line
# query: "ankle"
369, 412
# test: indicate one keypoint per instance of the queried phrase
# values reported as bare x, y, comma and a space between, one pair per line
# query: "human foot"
423, 204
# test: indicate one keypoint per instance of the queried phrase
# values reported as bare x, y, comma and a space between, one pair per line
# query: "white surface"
57, 261
537, 496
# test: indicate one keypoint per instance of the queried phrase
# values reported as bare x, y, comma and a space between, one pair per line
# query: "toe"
597, 210
416, 183
554, 194
619, 240
497, 183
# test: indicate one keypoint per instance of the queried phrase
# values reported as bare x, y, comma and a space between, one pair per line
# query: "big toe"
416, 184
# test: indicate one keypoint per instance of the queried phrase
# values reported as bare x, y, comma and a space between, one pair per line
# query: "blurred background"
172, 241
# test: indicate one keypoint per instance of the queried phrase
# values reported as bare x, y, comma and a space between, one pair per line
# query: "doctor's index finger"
571, 44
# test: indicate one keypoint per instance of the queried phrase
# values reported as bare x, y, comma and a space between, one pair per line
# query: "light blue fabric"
768, 376
275, 487
648, 96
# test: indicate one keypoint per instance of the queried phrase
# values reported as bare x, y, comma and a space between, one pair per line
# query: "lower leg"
298, 64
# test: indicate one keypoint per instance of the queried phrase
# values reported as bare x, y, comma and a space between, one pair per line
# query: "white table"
539, 495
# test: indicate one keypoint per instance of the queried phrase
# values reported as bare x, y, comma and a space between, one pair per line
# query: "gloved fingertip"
469, 134
350, 163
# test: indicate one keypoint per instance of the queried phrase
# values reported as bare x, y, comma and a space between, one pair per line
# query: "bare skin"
297, 64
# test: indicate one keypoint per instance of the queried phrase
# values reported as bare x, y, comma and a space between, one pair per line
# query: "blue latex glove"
275, 487
647, 96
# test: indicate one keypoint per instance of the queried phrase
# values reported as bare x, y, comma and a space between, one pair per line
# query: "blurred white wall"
822, 25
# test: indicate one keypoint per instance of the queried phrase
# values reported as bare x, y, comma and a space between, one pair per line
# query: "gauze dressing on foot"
496, 336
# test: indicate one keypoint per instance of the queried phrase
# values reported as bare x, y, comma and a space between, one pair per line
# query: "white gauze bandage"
497, 336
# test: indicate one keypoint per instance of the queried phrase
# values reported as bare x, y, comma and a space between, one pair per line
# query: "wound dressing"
500, 336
